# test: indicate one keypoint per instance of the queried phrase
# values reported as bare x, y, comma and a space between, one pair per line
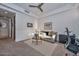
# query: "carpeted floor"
60, 50
10, 48
44, 47
49, 49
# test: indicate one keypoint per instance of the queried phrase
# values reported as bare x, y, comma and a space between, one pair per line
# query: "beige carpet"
10, 48
60, 50
45, 48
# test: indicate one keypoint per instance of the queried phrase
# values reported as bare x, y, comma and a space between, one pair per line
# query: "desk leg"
36, 41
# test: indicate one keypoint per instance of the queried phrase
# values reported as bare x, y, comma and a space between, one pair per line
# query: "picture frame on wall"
48, 26
29, 25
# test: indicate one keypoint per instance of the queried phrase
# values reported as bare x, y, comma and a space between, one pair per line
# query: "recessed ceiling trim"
57, 11
20, 10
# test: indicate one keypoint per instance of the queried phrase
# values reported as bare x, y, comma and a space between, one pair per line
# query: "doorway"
7, 24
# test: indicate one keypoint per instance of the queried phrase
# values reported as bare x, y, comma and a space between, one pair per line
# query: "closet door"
4, 27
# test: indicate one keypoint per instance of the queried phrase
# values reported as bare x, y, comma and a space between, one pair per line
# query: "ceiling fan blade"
32, 6
40, 9
40, 4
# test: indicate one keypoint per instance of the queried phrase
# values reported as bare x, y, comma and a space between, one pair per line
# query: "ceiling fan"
39, 6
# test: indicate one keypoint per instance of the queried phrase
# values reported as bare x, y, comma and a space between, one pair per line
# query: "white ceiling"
47, 7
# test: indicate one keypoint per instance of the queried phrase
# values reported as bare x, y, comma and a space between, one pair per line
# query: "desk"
50, 36
36, 38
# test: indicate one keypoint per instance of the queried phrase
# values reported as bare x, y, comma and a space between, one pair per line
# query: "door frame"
12, 26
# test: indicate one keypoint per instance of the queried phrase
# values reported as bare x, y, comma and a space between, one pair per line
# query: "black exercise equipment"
63, 38
70, 44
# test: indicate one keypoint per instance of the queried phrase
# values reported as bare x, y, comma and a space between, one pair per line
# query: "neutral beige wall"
22, 31
21, 20
62, 20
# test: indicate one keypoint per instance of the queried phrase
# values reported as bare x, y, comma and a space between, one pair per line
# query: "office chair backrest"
69, 39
